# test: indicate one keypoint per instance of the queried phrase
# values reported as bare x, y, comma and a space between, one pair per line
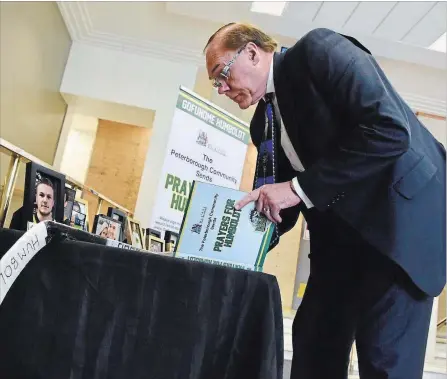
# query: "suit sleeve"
353, 85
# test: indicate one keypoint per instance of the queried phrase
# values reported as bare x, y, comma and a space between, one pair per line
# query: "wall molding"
80, 27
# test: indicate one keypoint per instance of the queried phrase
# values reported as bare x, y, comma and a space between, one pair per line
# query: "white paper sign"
122, 245
205, 144
19, 255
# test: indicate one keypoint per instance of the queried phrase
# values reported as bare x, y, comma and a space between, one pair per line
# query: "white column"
63, 137
76, 144
154, 159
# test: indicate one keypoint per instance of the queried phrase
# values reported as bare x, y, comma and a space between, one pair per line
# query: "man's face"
244, 83
44, 199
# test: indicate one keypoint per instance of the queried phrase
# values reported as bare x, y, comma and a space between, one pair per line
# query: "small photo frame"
120, 216
81, 206
78, 220
69, 198
151, 232
136, 235
155, 244
171, 240
143, 233
107, 227
43, 195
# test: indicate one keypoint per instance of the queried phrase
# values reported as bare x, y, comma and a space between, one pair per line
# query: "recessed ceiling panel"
274, 8
402, 18
217, 11
302, 10
368, 15
430, 27
334, 14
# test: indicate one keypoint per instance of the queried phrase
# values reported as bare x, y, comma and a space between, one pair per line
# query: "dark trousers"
356, 293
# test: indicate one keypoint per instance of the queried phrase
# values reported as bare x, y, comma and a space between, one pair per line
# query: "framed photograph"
69, 198
151, 232
80, 206
155, 244
171, 239
43, 196
136, 235
120, 216
106, 227
143, 233
78, 220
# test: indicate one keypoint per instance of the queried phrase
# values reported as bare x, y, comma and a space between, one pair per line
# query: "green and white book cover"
214, 231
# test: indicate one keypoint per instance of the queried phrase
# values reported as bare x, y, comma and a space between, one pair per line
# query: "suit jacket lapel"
287, 104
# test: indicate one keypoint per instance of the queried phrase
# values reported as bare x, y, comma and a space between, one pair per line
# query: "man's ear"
253, 53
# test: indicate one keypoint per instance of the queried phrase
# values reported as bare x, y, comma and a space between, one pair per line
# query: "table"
85, 311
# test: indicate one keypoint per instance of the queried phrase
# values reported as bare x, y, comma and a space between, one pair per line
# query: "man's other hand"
270, 199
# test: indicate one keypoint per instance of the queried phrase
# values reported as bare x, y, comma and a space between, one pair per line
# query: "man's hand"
270, 199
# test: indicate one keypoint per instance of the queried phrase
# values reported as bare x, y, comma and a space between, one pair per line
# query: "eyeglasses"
225, 73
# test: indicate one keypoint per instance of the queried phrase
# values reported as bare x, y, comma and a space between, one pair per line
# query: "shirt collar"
270, 83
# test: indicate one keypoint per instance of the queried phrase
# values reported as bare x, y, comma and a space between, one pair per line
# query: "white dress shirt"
287, 146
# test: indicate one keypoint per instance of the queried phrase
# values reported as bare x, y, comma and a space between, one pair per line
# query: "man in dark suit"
337, 143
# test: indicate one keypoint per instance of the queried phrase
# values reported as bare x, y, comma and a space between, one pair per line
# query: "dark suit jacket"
367, 157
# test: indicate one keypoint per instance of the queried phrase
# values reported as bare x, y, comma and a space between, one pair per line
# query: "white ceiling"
179, 30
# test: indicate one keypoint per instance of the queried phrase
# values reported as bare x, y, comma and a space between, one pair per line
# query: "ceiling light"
274, 8
439, 44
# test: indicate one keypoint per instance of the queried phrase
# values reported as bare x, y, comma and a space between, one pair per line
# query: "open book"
214, 231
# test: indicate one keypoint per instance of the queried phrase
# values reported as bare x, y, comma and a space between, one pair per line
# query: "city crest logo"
258, 221
202, 138
196, 228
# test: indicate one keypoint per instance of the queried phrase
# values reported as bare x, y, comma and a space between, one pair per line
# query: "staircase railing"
18, 155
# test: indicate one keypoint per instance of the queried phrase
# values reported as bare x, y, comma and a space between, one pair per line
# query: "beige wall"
117, 161
34, 47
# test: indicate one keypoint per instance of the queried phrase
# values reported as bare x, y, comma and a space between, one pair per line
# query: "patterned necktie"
266, 163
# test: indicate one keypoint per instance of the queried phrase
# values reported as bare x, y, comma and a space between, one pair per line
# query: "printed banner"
205, 144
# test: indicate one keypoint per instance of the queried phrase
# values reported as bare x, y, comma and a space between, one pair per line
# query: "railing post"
430, 352
8, 189
98, 209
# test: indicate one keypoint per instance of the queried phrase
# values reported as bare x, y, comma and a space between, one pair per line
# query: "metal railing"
18, 155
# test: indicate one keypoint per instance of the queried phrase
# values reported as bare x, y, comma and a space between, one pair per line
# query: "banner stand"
206, 144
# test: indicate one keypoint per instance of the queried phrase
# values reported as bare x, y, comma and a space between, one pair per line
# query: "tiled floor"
433, 370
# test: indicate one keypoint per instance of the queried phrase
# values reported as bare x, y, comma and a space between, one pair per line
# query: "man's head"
44, 197
238, 58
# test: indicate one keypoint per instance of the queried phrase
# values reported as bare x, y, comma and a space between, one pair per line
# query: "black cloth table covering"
85, 311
